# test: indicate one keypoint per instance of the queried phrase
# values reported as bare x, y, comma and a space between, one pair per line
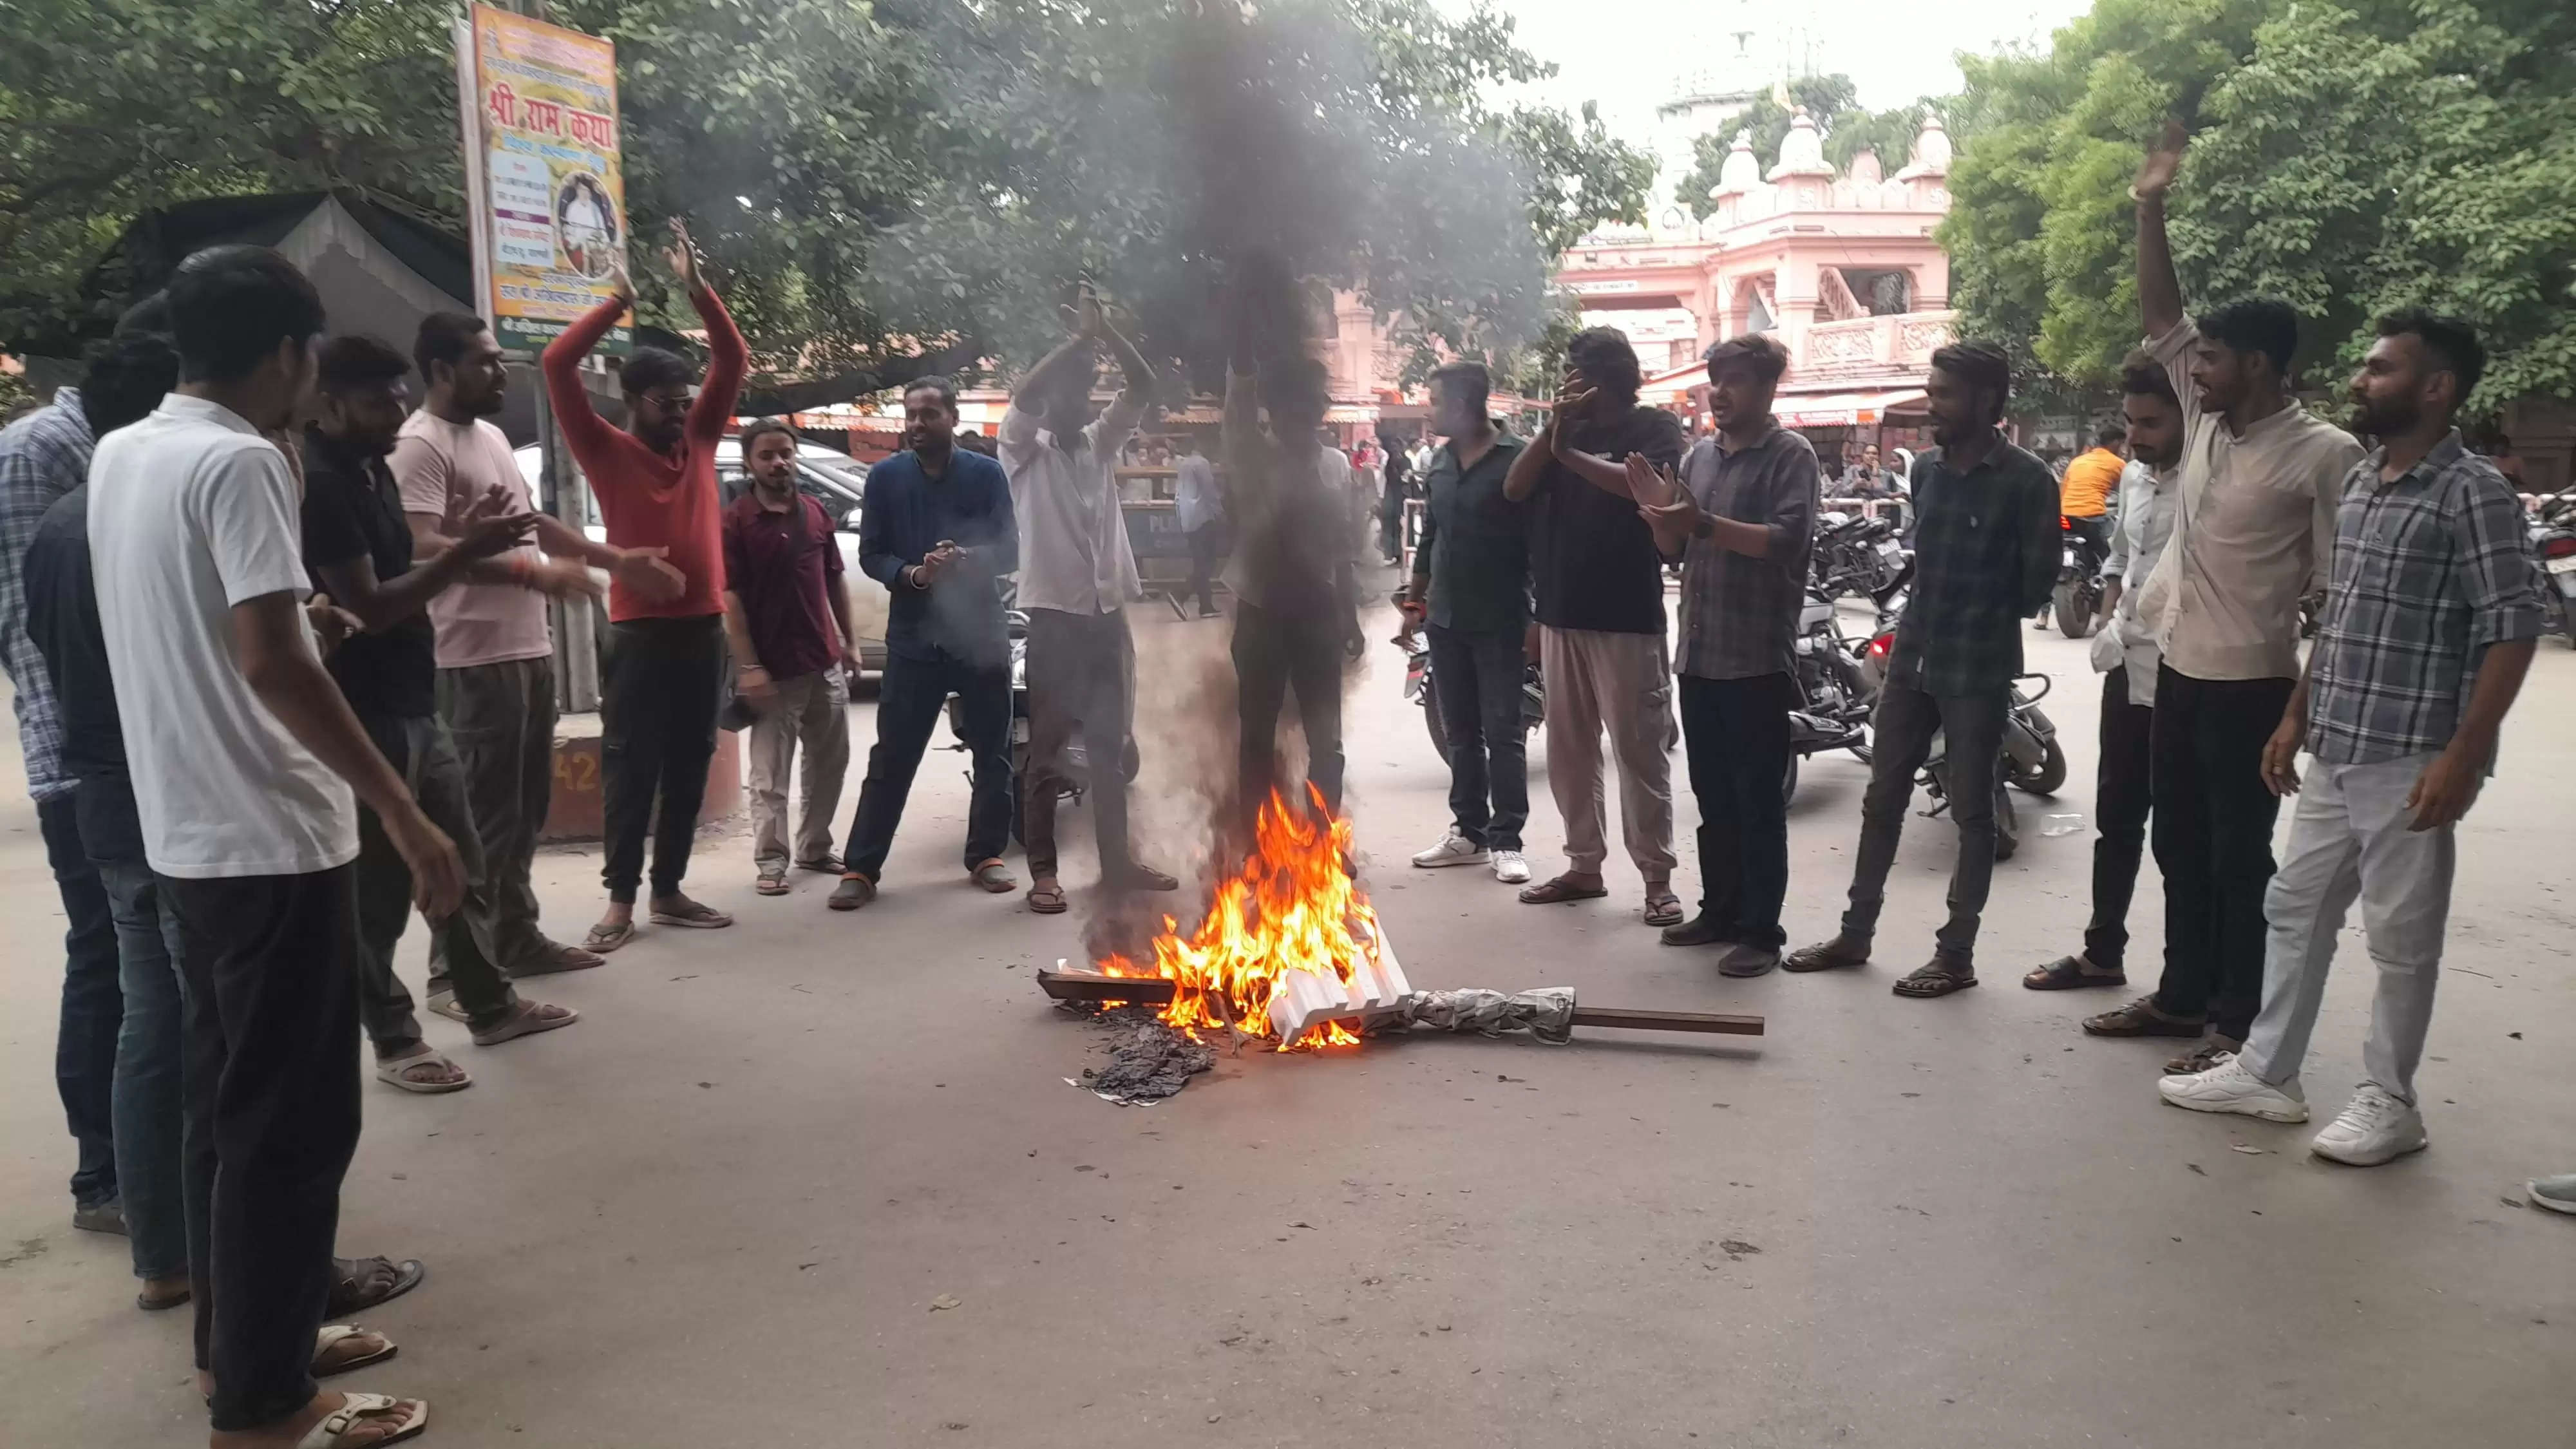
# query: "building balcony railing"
1900, 343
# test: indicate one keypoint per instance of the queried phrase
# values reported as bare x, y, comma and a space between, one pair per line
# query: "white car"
835, 480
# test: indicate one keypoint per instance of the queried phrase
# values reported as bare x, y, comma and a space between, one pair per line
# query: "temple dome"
1742, 170
1931, 151
1802, 151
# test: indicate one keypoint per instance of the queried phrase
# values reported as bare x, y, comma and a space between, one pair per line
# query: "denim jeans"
150, 1070
85, 1043
1736, 734
1972, 731
1478, 678
659, 691
417, 747
908, 706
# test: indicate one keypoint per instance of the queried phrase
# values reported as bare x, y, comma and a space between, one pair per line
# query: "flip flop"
392, 1073
150, 1304
527, 1019
1047, 900
1935, 979
1663, 908
2071, 973
605, 938
693, 914
994, 876
1559, 890
772, 881
334, 1332
337, 1425
349, 1295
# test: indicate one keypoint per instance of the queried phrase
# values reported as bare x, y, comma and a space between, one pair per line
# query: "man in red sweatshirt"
659, 686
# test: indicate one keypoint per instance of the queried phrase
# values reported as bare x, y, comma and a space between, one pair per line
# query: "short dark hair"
2256, 324
356, 360
938, 383
1296, 382
1468, 380
231, 307
647, 368
758, 426
442, 338
152, 314
1978, 364
1605, 359
2110, 435
2144, 376
1759, 351
128, 376
2453, 343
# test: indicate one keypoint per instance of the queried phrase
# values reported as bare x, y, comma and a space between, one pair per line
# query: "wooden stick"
1154, 990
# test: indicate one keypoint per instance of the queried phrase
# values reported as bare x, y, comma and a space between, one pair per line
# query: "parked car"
836, 480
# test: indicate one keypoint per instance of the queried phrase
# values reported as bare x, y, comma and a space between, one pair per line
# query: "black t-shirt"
352, 509
62, 622
1592, 558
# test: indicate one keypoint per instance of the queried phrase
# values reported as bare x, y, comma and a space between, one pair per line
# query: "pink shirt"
441, 468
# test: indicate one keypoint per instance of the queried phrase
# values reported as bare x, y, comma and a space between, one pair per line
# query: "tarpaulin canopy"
1842, 409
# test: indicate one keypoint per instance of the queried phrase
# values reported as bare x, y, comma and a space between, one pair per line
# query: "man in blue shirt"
939, 533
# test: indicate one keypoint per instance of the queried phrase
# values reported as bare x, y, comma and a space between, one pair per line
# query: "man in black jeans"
359, 547
1471, 581
1740, 521
244, 757
938, 533
1296, 617
1985, 557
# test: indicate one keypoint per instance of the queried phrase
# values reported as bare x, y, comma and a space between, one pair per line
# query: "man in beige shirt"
2260, 480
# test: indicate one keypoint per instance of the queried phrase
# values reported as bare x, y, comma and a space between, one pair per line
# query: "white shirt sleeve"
249, 524
1019, 430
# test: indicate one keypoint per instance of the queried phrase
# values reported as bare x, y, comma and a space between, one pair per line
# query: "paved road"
722, 1209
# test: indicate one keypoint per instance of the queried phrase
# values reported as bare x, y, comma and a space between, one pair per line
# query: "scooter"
2553, 542
1834, 696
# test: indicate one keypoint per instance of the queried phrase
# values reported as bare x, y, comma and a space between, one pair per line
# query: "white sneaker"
2231, 1086
1453, 849
2373, 1128
1511, 867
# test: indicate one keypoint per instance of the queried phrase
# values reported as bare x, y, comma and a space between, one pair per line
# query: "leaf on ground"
2196, 1167
945, 1301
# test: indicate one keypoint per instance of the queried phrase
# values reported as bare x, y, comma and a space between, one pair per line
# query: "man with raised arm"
1077, 572
2260, 477
660, 685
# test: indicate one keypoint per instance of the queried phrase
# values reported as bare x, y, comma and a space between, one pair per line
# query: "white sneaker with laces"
1511, 867
2374, 1127
2231, 1086
1453, 849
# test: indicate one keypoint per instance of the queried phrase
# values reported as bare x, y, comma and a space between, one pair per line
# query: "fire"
1290, 907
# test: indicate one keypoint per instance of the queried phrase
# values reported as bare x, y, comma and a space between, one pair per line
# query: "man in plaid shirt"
2429, 626
1985, 558
42, 457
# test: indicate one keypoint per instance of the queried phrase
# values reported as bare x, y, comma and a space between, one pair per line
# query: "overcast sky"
1626, 54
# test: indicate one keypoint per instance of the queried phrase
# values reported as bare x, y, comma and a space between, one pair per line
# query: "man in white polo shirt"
1077, 572
243, 757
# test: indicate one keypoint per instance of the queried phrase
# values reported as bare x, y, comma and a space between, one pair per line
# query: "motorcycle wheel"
2049, 777
2007, 825
2074, 619
1431, 718
1789, 783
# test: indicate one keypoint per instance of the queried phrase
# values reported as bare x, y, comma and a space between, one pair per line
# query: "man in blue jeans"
938, 533
1471, 582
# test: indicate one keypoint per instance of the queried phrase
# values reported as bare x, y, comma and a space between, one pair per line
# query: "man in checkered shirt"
2429, 626
43, 456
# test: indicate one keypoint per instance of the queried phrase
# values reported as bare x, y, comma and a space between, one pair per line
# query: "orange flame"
1291, 907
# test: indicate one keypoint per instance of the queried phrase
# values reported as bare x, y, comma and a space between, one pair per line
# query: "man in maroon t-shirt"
787, 611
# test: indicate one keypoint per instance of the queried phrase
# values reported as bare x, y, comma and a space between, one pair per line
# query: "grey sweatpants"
1622, 683
2349, 841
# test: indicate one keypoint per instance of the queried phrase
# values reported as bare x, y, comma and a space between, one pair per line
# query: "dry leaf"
945, 1300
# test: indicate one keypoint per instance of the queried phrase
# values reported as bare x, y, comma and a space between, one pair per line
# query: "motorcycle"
1855, 555
2553, 543
2030, 760
1835, 697
1422, 687
2079, 580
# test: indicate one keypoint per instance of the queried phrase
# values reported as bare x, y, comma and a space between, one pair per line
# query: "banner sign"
548, 202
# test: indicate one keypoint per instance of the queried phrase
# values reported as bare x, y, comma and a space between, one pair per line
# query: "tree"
1832, 103
884, 187
2348, 158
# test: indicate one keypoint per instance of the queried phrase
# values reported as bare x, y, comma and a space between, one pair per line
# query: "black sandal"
2070, 973
1939, 978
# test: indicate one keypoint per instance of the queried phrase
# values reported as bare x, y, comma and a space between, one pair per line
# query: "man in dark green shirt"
1471, 581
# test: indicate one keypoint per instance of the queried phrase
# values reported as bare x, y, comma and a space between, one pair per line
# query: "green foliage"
1832, 103
880, 186
2347, 158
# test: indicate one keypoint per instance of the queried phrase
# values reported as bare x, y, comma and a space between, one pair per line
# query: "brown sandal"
1047, 899
2072, 973
1560, 890
1939, 978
